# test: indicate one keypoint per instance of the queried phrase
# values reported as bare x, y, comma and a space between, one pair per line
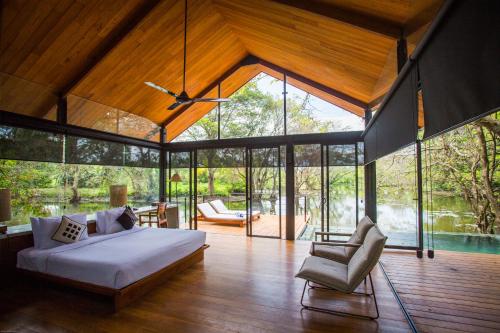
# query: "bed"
123, 265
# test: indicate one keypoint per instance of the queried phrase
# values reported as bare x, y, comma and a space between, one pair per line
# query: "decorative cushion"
106, 220
127, 219
69, 231
47, 226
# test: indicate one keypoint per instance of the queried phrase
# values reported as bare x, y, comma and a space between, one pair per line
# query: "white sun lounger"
208, 214
220, 208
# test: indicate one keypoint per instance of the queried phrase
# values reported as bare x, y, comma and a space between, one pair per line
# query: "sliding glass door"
265, 189
339, 178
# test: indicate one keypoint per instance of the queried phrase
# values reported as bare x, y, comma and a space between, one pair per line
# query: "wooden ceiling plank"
357, 19
110, 43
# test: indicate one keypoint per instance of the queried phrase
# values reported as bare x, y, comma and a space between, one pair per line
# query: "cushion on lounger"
219, 206
69, 231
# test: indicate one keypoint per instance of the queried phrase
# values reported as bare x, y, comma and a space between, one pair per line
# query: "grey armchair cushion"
366, 257
325, 272
359, 234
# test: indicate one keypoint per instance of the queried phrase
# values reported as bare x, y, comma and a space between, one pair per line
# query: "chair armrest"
326, 233
334, 244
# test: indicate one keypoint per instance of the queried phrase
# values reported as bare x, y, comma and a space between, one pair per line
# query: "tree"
466, 161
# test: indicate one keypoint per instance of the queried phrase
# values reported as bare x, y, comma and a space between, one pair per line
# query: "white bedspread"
114, 260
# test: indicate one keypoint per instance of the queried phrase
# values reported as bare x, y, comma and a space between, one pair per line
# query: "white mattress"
114, 260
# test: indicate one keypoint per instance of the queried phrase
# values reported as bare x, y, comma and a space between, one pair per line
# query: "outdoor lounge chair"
220, 208
208, 214
345, 278
342, 252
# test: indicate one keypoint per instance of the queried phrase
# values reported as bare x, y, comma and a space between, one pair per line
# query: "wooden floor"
267, 225
454, 292
243, 285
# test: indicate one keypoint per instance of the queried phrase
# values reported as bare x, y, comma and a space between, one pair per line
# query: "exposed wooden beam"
108, 44
248, 60
314, 84
363, 21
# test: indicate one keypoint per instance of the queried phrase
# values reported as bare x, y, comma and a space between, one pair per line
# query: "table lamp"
5, 210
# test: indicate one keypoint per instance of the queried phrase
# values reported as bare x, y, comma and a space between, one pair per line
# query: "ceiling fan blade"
157, 87
176, 104
211, 100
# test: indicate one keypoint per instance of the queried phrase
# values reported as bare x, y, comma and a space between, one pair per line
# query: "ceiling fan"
183, 97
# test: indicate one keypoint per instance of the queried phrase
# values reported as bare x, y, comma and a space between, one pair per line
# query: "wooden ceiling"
103, 51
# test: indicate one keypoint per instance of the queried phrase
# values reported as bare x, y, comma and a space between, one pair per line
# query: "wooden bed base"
124, 296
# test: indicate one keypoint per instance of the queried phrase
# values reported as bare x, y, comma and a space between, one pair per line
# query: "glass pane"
87, 113
459, 169
397, 197
307, 190
256, 109
267, 191
37, 189
342, 198
307, 113
204, 129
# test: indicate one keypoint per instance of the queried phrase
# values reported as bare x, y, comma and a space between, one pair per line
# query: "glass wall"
461, 171
71, 174
258, 109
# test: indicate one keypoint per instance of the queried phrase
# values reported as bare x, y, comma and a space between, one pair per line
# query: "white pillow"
112, 225
34, 229
47, 226
100, 221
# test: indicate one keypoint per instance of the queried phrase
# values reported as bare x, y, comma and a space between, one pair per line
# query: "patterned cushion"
127, 219
69, 231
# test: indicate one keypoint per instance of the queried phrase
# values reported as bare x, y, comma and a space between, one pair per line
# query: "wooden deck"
244, 285
454, 292
267, 225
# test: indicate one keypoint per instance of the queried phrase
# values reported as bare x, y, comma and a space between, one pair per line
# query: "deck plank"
452, 292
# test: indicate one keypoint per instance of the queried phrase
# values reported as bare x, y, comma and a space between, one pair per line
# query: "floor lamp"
176, 178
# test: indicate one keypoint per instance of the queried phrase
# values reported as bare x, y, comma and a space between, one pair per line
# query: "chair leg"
340, 313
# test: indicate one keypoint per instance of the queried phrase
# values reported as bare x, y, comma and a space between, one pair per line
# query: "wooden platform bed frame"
124, 296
